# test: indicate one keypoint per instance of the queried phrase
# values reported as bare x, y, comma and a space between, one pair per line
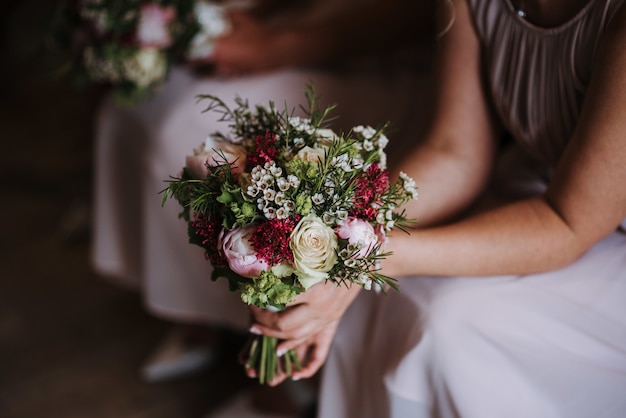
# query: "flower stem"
262, 356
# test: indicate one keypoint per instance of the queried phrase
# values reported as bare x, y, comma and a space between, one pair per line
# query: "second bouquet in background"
131, 45
280, 203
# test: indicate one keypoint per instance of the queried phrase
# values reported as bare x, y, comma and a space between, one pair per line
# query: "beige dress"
531, 346
144, 246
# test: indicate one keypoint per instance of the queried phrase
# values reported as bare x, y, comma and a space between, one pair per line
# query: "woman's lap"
543, 345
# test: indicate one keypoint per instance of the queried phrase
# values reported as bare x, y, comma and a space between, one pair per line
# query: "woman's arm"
451, 165
585, 201
451, 168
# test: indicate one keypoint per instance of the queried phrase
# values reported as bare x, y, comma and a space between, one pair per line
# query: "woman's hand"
309, 313
311, 354
309, 323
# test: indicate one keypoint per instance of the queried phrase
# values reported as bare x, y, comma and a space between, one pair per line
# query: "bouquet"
132, 44
280, 203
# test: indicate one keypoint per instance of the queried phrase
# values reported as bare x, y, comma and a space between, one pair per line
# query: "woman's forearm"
521, 238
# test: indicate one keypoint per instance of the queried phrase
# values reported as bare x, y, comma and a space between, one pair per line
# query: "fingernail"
295, 378
281, 352
255, 330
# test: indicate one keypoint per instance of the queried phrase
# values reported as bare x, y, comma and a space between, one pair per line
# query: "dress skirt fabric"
143, 245
549, 345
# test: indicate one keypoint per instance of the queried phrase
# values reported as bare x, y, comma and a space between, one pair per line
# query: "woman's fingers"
298, 333
294, 344
317, 353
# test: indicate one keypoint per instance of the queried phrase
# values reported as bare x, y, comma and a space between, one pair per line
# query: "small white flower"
276, 171
289, 205
350, 262
283, 184
269, 195
368, 146
409, 185
252, 191
294, 181
281, 213
382, 163
269, 212
318, 198
256, 173
364, 278
268, 180
369, 132
328, 219
382, 142
357, 162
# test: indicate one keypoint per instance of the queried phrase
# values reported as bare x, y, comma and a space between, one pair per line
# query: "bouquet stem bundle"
262, 358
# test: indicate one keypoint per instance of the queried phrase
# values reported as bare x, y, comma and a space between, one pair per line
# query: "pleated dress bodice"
538, 76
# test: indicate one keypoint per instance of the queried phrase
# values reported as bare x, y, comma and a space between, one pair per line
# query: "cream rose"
211, 154
314, 246
312, 155
326, 136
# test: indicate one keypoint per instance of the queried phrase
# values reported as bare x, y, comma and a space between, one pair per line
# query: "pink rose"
153, 28
382, 234
238, 251
359, 233
210, 154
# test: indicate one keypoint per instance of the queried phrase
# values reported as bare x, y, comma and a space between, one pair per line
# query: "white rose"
312, 155
314, 247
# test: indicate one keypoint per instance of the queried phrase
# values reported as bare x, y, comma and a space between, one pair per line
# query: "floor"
71, 343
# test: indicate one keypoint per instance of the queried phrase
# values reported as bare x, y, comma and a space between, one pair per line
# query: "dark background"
71, 343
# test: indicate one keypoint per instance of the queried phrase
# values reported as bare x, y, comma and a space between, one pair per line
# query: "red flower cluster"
265, 149
204, 231
373, 183
271, 240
